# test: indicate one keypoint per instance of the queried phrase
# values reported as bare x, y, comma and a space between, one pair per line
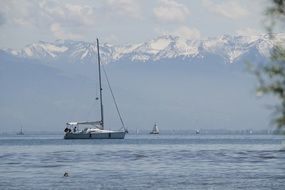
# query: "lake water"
143, 162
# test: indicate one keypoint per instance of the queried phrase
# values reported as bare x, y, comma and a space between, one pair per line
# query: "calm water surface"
143, 162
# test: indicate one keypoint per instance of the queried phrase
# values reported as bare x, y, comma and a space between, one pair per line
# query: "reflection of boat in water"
96, 128
155, 129
20, 132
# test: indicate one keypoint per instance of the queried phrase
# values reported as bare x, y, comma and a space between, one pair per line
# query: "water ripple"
204, 162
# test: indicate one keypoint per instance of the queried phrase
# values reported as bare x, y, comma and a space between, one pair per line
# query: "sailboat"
95, 129
155, 129
20, 132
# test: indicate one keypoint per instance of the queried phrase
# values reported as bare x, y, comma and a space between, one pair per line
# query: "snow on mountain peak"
40, 50
229, 48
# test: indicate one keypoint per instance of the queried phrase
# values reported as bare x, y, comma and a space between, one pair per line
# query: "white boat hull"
105, 135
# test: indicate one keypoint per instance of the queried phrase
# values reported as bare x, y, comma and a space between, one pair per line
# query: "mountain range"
225, 49
179, 83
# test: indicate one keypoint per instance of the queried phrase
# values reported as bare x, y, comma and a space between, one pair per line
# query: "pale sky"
125, 21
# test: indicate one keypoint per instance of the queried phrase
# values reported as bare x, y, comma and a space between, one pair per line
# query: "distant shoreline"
164, 132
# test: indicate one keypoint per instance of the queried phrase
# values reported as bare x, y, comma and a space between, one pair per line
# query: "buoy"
65, 174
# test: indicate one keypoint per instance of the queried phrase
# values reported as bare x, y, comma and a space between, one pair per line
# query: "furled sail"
94, 123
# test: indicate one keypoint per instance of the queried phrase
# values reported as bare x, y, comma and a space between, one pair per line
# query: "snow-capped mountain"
229, 49
156, 82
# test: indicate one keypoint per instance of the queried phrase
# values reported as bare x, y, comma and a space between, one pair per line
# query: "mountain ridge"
151, 79
229, 49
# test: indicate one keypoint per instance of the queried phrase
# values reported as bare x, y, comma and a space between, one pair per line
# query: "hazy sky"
125, 21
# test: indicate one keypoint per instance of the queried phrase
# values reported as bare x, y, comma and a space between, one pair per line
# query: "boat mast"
100, 85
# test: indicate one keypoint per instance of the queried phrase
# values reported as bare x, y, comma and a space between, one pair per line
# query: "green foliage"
271, 76
276, 14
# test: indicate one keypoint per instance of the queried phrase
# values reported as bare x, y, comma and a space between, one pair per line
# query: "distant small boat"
197, 131
137, 131
155, 129
20, 132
